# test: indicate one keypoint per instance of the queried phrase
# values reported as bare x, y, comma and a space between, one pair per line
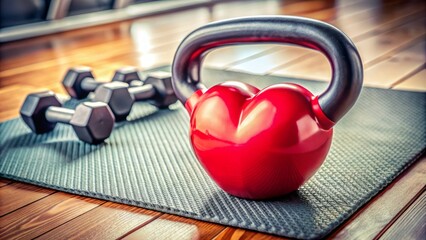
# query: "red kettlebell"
260, 144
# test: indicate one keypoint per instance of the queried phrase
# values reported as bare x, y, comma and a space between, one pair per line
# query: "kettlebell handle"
347, 71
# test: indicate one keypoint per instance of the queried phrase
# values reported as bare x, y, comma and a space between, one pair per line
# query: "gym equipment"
79, 81
261, 144
92, 121
149, 163
156, 89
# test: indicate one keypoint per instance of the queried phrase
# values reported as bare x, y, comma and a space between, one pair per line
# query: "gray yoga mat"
148, 162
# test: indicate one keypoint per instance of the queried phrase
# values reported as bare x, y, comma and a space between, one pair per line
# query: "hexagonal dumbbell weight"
79, 81
92, 121
157, 90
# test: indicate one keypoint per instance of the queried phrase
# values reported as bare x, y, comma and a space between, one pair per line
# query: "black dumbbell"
79, 81
157, 90
92, 121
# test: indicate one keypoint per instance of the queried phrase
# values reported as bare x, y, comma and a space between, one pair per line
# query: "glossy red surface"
258, 144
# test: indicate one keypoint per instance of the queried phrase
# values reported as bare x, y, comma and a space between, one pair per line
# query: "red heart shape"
258, 144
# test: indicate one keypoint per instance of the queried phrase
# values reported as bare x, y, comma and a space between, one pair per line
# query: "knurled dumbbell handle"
143, 92
90, 84
59, 114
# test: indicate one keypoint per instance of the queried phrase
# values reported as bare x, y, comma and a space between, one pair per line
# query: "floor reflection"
164, 230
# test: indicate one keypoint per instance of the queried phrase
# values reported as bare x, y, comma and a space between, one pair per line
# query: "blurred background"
29, 18
41, 39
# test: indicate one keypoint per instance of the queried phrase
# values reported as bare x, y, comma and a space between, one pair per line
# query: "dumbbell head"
93, 122
162, 83
118, 98
127, 74
73, 79
34, 108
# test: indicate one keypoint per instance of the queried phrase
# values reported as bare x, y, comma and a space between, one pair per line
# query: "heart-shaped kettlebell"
260, 144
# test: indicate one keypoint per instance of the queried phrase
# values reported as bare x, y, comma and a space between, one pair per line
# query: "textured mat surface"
148, 162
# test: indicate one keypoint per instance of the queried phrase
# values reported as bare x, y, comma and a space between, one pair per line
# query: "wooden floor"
390, 36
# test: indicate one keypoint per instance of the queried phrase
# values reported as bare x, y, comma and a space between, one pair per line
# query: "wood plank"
349, 21
53, 71
94, 54
396, 67
64, 44
142, 61
108, 221
227, 57
367, 222
290, 7
4, 182
411, 224
372, 51
139, 35
173, 227
417, 82
384, 19
273, 62
241, 234
283, 56
364, 10
383, 44
17, 195
12, 101
42, 216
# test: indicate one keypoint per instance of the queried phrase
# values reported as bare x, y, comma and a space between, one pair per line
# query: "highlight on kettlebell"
272, 152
